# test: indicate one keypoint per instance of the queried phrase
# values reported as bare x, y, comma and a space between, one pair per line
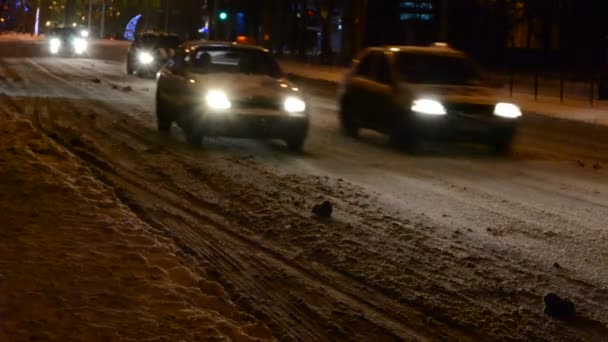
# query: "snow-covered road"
450, 244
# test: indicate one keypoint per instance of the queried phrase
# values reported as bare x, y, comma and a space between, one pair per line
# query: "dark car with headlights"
425, 93
67, 41
228, 89
150, 51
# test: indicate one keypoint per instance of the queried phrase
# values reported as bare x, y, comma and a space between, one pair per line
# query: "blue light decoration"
37, 23
131, 28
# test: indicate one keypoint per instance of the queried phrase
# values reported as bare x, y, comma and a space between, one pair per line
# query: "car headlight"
507, 110
217, 99
294, 105
55, 45
80, 45
145, 58
84, 33
428, 107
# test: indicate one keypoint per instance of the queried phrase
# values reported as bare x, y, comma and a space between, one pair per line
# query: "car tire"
502, 147
403, 137
194, 137
163, 117
347, 118
295, 145
405, 141
130, 70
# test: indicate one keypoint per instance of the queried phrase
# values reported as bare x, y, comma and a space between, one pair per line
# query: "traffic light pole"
103, 19
213, 18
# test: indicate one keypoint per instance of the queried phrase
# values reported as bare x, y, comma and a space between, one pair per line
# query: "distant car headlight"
428, 107
507, 110
84, 33
80, 45
294, 105
145, 58
55, 45
217, 99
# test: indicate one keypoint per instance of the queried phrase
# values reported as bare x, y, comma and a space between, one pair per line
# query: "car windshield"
157, 41
437, 69
233, 60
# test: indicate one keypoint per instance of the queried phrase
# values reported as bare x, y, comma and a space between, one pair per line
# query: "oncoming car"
425, 93
67, 41
227, 89
150, 51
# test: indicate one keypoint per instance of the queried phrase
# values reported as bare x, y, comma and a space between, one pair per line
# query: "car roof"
195, 44
437, 49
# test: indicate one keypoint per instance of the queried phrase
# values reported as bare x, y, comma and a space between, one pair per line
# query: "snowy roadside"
20, 36
77, 264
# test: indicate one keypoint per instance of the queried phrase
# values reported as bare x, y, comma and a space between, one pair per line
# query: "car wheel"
347, 118
130, 70
403, 136
502, 147
194, 136
295, 145
405, 141
163, 116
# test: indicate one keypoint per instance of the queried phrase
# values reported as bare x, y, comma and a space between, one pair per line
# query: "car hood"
455, 94
245, 86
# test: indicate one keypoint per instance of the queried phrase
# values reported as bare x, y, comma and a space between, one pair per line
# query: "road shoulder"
75, 263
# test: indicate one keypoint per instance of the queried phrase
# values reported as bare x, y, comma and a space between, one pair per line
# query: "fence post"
591, 91
536, 85
510, 82
561, 87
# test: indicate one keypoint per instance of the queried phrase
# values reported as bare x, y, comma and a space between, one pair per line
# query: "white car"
228, 89
67, 42
425, 93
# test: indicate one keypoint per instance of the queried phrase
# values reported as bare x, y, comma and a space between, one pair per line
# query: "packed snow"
77, 264
350, 240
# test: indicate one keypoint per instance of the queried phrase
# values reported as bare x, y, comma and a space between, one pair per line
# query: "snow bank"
20, 36
76, 264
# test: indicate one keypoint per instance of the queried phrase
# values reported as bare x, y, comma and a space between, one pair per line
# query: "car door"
173, 85
379, 92
359, 90
385, 89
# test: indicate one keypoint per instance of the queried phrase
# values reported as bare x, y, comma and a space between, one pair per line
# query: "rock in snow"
323, 210
558, 307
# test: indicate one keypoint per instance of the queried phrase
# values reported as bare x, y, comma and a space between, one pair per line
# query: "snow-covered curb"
20, 36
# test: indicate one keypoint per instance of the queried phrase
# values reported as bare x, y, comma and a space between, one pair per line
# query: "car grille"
471, 109
258, 102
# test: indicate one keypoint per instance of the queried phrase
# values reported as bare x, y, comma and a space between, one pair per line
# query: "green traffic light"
223, 15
